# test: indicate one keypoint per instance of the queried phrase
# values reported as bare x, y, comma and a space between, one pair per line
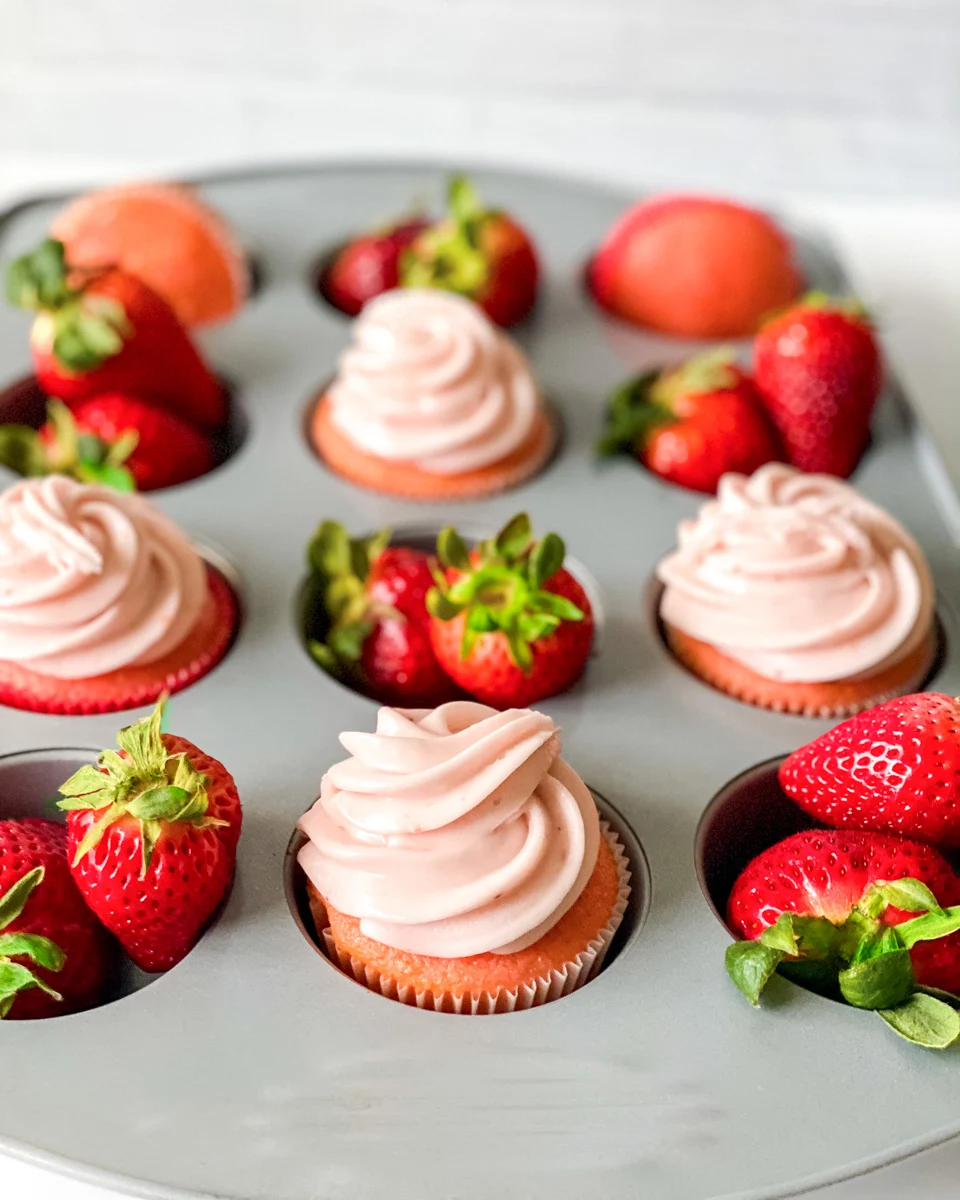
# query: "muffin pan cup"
255, 1069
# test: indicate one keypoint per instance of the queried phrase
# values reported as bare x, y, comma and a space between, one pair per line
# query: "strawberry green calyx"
86, 329
642, 404
82, 456
144, 782
861, 960
17, 977
448, 254
339, 567
500, 588
820, 301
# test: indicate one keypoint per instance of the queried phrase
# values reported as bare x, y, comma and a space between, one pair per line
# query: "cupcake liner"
132, 687
840, 699
560, 982
407, 480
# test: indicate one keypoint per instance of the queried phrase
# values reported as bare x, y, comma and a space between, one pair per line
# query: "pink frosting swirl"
429, 380
452, 831
799, 578
91, 579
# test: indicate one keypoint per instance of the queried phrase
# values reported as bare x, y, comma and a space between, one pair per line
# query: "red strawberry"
510, 625
55, 957
818, 369
370, 599
694, 267
105, 331
693, 423
895, 767
367, 266
835, 909
480, 253
153, 837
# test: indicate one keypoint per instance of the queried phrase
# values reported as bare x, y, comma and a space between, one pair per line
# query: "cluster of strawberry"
132, 403
816, 377
505, 622
147, 854
867, 909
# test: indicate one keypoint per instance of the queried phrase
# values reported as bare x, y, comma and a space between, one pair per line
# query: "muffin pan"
253, 1069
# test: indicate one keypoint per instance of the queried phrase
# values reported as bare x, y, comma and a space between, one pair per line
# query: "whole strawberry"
105, 331
510, 625
834, 909
819, 371
478, 252
895, 767
368, 598
693, 423
366, 266
55, 958
152, 840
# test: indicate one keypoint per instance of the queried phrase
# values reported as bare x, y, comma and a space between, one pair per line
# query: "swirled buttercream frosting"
429, 380
799, 578
452, 831
91, 579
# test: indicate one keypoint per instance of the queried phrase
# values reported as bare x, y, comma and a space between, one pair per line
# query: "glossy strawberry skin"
894, 768
824, 873
158, 919
510, 291
169, 450
714, 432
490, 675
157, 362
367, 266
819, 372
55, 910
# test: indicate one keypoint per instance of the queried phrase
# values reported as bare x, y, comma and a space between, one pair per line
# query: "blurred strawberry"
366, 266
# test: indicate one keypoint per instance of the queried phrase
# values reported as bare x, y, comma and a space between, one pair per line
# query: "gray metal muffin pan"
253, 1069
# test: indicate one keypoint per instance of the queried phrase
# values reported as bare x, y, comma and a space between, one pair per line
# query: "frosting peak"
452, 831
430, 380
798, 577
91, 579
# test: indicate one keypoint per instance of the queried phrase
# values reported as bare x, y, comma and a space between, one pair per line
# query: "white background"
844, 110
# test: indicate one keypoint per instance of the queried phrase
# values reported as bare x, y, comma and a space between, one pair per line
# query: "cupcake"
457, 863
794, 593
104, 603
432, 402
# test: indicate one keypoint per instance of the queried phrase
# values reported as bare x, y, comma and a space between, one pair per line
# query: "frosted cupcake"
456, 862
433, 402
793, 592
104, 603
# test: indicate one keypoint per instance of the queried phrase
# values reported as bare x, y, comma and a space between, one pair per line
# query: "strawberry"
370, 598
113, 439
894, 768
478, 252
366, 266
694, 266
819, 372
510, 624
834, 909
152, 839
693, 423
105, 331
55, 957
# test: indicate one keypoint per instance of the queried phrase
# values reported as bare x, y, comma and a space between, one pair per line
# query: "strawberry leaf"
924, 1020
515, 537
346, 641
14, 978
12, 902
546, 558
329, 550
909, 894
929, 927
84, 786
39, 280
557, 606
22, 451
781, 936
751, 966
534, 626
442, 606
41, 950
452, 551
884, 981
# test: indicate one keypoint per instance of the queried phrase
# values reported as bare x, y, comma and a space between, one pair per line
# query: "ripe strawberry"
370, 598
693, 423
510, 625
819, 372
55, 957
694, 267
479, 253
895, 767
105, 331
366, 266
834, 909
152, 838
